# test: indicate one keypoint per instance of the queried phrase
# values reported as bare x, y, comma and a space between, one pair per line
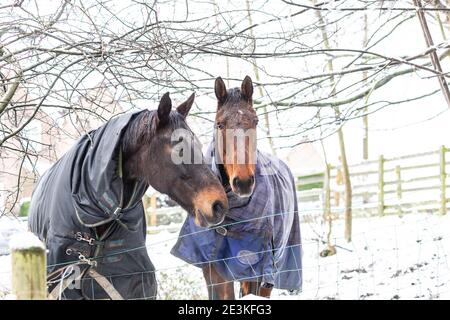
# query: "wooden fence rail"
393, 179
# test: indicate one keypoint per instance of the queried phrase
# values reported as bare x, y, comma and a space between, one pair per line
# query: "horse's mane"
142, 129
233, 96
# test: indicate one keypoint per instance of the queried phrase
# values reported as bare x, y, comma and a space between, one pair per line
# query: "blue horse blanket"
260, 237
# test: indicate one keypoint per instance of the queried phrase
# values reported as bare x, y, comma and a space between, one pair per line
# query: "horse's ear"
164, 108
247, 88
221, 90
184, 108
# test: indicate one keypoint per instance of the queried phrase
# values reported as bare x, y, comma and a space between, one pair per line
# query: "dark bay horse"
88, 208
259, 243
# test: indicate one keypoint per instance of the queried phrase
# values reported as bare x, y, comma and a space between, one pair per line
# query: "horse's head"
236, 123
172, 163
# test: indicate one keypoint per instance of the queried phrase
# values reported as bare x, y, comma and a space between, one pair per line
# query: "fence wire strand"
318, 269
359, 259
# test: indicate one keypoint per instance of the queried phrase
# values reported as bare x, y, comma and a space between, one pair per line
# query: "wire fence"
306, 215
389, 257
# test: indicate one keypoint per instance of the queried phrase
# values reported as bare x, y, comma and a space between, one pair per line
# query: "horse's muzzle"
243, 187
216, 216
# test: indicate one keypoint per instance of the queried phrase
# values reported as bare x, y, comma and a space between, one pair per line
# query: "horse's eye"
220, 125
256, 121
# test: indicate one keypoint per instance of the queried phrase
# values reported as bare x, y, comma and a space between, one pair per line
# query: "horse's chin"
243, 194
201, 220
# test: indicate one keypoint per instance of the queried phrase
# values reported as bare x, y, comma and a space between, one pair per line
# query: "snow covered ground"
389, 258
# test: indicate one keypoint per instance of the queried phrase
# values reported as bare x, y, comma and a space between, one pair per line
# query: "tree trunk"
345, 170
365, 117
348, 188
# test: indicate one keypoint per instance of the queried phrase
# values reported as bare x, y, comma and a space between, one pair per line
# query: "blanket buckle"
81, 257
90, 262
222, 231
79, 237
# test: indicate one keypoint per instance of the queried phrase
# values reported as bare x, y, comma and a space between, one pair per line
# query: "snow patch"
25, 240
8, 227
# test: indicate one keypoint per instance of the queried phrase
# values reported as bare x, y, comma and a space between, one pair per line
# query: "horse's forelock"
142, 128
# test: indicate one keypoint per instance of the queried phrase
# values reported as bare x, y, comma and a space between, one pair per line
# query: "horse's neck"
128, 188
131, 176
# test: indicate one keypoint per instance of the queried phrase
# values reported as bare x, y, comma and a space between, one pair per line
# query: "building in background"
48, 136
305, 159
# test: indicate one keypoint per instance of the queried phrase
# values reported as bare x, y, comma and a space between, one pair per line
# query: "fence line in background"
381, 177
386, 176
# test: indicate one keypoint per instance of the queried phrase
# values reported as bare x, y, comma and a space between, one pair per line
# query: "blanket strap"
105, 284
56, 292
101, 280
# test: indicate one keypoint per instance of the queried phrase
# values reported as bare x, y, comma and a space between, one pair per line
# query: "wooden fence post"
381, 185
29, 274
443, 174
399, 188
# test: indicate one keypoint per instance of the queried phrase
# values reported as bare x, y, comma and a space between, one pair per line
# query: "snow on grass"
8, 227
389, 257
5, 276
176, 279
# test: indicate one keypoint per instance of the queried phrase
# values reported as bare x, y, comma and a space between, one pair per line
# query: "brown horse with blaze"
235, 132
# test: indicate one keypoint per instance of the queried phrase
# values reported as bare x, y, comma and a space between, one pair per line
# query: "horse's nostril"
219, 211
218, 207
236, 183
243, 185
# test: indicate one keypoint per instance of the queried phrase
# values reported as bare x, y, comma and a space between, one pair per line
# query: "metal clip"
79, 237
90, 262
81, 257
222, 231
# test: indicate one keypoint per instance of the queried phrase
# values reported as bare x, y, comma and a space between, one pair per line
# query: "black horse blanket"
81, 191
260, 237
